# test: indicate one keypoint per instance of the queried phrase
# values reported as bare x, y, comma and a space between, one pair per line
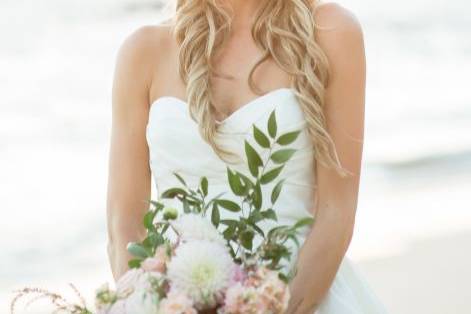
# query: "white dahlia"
196, 227
202, 270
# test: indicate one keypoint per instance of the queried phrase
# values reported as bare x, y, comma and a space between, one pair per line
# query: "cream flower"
125, 284
119, 307
196, 227
201, 269
142, 301
136, 291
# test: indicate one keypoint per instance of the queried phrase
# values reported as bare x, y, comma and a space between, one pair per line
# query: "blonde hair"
284, 30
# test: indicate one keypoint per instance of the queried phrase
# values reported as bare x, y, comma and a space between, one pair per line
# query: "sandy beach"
430, 276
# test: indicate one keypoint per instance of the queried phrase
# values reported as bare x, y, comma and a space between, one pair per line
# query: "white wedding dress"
176, 145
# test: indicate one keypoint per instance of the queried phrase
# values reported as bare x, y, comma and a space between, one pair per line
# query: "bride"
218, 66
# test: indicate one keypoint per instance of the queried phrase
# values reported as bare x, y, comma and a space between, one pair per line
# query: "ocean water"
57, 59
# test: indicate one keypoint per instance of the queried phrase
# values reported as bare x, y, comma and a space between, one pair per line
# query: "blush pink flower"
238, 274
274, 293
262, 292
176, 303
158, 263
241, 299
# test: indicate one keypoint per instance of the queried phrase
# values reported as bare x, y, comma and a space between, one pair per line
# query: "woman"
219, 66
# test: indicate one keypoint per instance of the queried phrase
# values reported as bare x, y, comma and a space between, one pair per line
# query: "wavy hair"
284, 30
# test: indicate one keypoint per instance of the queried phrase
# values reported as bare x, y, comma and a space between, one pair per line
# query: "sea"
56, 65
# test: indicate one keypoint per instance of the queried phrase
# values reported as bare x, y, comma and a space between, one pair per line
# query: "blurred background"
413, 230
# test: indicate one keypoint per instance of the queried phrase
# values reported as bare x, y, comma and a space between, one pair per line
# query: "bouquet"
193, 261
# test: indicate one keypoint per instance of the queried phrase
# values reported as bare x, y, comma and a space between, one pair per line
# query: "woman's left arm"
336, 196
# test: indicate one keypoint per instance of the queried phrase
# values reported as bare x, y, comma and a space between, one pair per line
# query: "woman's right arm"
129, 176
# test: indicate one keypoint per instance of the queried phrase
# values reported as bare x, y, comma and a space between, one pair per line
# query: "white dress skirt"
175, 145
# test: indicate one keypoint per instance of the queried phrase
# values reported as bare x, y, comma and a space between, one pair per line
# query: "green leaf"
269, 214
304, 222
248, 184
288, 138
204, 185
272, 125
271, 175
257, 196
229, 222
234, 182
149, 219
158, 206
294, 238
134, 263
229, 232
246, 239
137, 250
278, 230
153, 240
229, 205
283, 277
173, 192
282, 155
179, 178
253, 158
255, 216
260, 137
215, 217
242, 224
257, 228
276, 191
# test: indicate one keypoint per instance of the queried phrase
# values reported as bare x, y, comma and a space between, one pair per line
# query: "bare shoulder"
144, 47
136, 62
338, 28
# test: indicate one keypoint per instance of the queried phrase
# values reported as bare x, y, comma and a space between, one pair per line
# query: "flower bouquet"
193, 261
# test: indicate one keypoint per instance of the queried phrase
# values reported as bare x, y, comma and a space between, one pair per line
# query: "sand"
431, 276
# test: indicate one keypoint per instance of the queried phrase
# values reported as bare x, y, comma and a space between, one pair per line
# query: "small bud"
170, 213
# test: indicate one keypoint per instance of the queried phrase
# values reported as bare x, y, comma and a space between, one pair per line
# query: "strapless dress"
175, 145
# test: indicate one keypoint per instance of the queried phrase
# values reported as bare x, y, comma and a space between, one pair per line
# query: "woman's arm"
326, 245
129, 177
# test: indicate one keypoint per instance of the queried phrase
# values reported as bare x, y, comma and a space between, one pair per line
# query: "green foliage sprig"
241, 232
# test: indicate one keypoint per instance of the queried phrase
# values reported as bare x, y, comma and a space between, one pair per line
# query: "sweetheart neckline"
235, 112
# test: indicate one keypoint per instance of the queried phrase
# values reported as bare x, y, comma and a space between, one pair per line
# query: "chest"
233, 66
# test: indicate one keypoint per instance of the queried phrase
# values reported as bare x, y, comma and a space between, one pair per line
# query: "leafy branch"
241, 232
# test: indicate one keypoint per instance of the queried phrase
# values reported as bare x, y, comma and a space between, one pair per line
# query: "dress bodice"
175, 144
